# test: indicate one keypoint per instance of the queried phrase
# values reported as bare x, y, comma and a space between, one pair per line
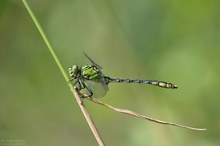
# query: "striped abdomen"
151, 82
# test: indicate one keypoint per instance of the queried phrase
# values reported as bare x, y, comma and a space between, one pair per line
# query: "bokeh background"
176, 41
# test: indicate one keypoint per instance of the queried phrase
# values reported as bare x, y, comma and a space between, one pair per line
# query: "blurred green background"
176, 41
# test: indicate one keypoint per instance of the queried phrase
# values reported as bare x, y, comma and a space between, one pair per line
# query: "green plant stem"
45, 39
77, 97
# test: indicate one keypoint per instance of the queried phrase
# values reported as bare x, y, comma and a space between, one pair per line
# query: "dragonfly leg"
75, 82
81, 85
88, 89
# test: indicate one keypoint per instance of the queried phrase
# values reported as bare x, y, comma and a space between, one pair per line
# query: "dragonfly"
91, 80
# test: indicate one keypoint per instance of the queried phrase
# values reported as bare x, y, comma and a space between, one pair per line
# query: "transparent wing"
103, 81
102, 77
98, 88
98, 66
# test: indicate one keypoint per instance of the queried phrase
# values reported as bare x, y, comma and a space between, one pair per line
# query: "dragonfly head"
74, 71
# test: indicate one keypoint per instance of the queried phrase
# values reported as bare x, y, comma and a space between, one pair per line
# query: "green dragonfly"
91, 79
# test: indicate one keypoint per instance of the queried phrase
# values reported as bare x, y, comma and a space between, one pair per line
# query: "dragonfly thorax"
90, 72
74, 71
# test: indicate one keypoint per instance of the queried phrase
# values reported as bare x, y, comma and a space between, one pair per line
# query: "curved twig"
138, 115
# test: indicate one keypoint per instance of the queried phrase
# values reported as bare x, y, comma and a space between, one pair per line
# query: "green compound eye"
73, 70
